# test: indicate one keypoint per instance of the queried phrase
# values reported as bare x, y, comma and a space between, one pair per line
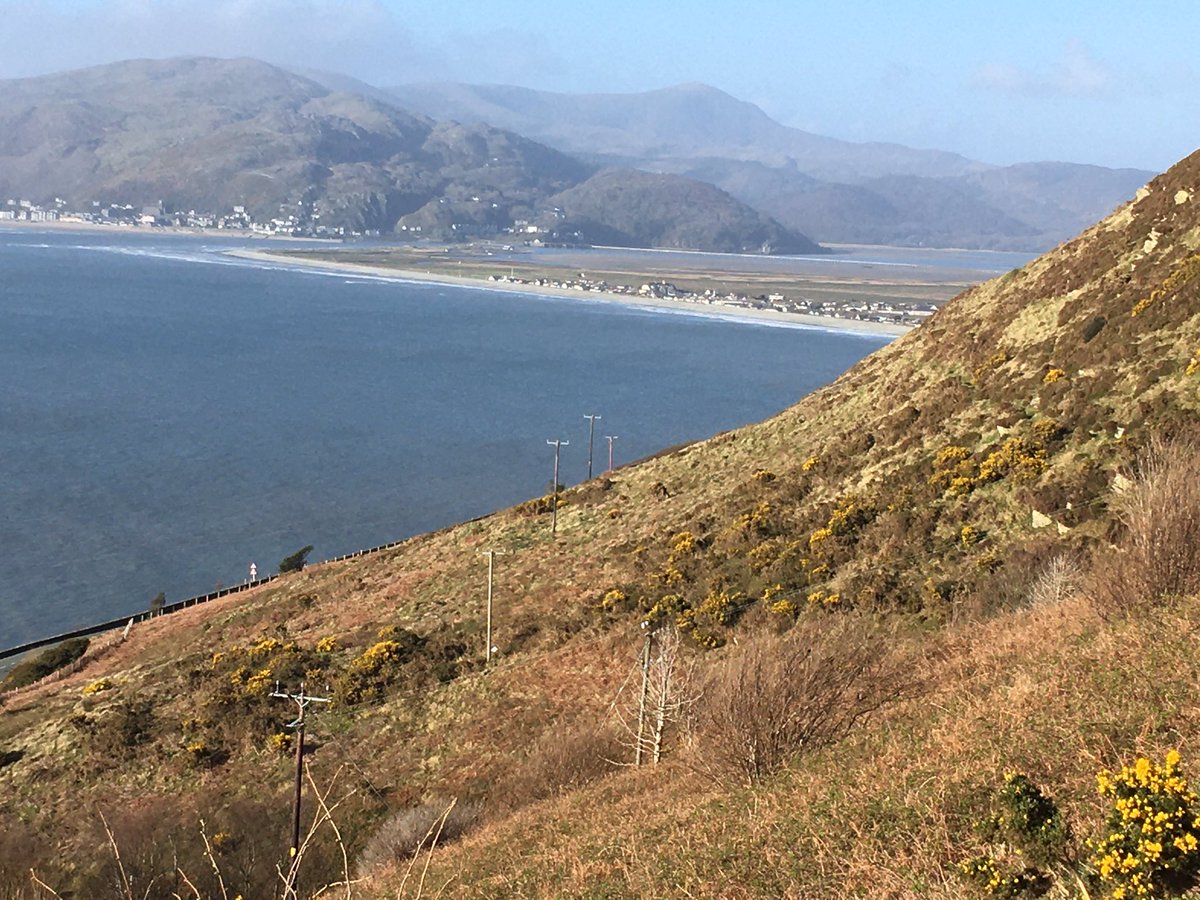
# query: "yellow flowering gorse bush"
987, 876
1152, 843
1194, 365
98, 686
1187, 270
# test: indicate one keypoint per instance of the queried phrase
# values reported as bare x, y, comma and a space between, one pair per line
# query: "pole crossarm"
302, 701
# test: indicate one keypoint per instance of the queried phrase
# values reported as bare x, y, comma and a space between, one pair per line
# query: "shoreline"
161, 231
756, 316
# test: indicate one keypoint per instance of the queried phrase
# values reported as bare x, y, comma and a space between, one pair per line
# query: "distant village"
862, 311
300, 219
305, 225
128, 216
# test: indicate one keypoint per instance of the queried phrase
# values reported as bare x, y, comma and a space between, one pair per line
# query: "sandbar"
801, 320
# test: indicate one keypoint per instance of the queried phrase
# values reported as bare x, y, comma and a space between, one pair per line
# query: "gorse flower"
1151, 847
327, 644
1194, 365
985, 874
98, 686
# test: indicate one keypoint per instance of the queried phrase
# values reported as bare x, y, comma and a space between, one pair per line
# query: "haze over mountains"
212, 134
449, 161
829, 189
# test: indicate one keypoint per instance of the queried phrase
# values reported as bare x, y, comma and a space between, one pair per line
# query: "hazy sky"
1098, 82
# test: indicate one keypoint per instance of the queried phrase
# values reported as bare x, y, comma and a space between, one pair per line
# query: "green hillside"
972, 555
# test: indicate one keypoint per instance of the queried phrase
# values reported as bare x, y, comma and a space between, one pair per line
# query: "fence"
168, 608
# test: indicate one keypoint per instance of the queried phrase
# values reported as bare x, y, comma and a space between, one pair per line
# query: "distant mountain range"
212, 134
832, 190
684, 167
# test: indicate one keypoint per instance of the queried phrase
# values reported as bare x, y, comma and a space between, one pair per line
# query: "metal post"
591, 435
610, 438
554, 501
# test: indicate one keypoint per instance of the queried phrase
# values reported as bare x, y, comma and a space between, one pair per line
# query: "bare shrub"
1058, 580
21, 850
1158, 555
406, 832
779, 695
135, 850
559, 761
651, 723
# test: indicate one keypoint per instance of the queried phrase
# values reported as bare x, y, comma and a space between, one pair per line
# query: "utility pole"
610, 438
554, 502
591, 435
641, 726
487, 653
302, 700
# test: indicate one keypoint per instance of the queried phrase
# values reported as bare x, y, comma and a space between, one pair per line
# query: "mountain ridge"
818, 185
208, 134
929, 492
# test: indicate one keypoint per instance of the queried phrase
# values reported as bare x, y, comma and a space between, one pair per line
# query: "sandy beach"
827, 323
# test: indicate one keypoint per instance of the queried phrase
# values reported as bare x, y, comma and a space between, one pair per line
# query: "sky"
1099, 82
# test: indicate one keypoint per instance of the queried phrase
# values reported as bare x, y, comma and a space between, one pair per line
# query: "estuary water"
169, 414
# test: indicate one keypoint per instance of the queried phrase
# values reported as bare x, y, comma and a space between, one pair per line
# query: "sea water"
169, 415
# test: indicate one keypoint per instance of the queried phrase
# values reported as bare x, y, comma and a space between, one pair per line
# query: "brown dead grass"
1158, 553
887, 810
1054, 691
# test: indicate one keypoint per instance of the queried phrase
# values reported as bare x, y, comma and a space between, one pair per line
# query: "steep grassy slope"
926, 493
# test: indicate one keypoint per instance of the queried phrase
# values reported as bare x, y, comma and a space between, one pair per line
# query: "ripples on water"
170, 414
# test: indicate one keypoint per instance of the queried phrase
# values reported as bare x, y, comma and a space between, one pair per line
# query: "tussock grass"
1158, 553
945, 562
890, 810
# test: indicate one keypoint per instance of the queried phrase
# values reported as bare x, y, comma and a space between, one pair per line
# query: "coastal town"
127, 215
303, 224
862, 311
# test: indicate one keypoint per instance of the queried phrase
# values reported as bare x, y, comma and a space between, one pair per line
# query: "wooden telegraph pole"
610, 438
591, 437
641, 725
487, 653
302, 700
554, 502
